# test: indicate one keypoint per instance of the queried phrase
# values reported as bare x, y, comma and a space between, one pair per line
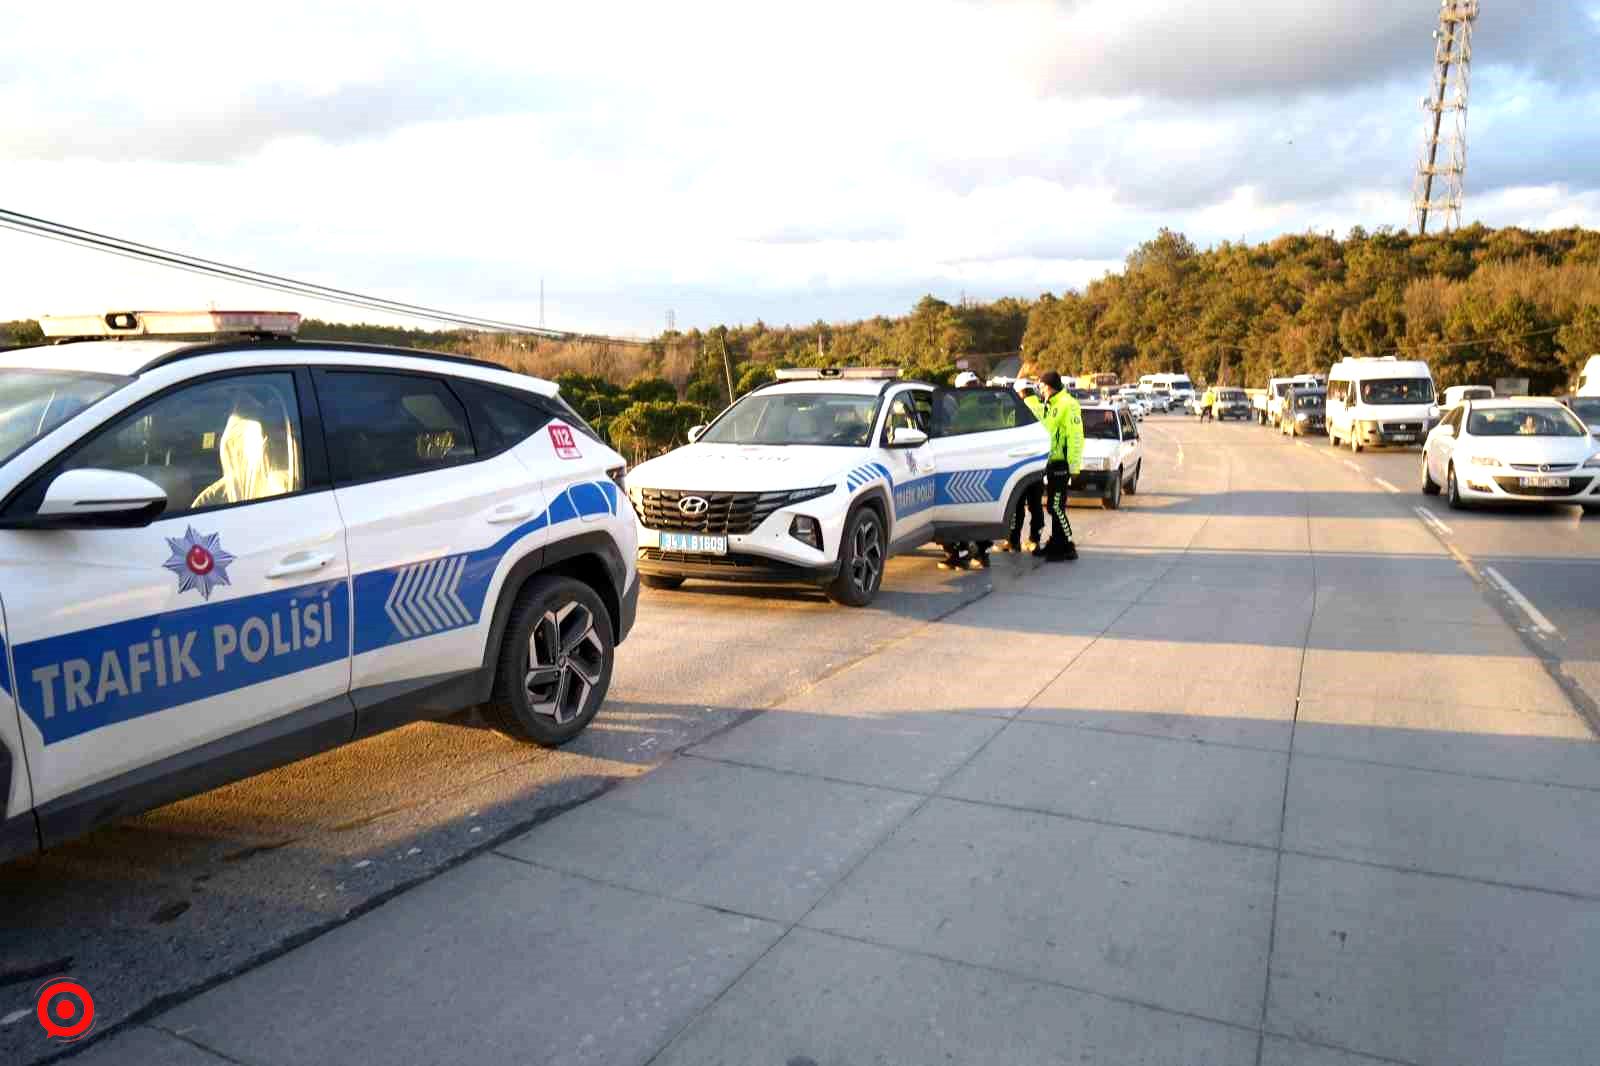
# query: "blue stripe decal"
89, 678
97, 677
914, 496
434, 596
5, 670
979, 486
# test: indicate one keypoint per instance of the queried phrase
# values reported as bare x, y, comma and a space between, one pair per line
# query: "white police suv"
822, 475
219, 557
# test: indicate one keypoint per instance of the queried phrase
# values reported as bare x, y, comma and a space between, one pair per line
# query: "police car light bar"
171, 324
855, 373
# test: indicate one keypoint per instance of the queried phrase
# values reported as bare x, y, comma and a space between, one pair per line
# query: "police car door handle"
510, 512
300, 563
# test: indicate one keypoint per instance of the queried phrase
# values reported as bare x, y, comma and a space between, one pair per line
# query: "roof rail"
222, 347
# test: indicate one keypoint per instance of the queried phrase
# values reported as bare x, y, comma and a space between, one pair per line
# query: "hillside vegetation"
1478, 304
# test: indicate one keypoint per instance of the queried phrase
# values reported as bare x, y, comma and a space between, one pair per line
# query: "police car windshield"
34, 402
832, 419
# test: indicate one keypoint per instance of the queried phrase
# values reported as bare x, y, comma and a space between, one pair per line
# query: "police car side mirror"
695, 433
89, 498
907, 437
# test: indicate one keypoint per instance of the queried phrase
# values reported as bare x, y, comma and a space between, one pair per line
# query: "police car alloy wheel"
555, 662
861, 560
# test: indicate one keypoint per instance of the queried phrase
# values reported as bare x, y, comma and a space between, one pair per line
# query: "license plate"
1404, 436
694, 542
1546, 483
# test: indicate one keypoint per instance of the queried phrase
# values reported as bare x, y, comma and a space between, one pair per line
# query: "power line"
128, 249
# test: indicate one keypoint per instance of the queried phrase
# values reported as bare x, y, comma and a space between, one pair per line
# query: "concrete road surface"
1279, 772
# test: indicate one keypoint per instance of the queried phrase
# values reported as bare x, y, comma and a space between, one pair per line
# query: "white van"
1589, 380
1380, 400
1179, 385
1456, 393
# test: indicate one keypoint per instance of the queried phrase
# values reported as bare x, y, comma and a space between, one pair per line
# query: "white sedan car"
1512, 450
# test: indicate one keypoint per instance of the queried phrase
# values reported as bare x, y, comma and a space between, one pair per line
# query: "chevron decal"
432, 596
426, 598
967, 486
863, 475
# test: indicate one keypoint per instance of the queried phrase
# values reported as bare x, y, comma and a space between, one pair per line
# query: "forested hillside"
1477, 304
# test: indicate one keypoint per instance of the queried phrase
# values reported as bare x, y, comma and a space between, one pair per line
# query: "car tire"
1113, 499
1133, 486
555, 662
660, 581
1430, 487
1453, 491
863, 551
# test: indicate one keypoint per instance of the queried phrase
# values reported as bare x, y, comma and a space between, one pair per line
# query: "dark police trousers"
1057, 476
1033, 505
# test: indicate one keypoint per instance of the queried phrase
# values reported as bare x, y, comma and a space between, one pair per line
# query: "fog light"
807, 531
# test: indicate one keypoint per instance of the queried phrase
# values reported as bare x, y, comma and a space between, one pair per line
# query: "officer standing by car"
1064, 420
960, 555
1032, 503
1207, 402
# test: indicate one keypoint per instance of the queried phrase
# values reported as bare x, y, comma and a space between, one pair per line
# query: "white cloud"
736, 160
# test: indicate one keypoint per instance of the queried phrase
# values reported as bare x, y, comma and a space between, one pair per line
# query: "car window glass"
832, 419
1525, 422
500, 420
217, 442
34, 402
962, 411
1100, 423
902, 415
388, 425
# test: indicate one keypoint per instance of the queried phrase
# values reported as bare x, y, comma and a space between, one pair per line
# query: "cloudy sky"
736, 161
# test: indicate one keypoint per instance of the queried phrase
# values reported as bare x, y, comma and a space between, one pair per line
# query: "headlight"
1301, 416
802, 495
1593, 462
1484, 460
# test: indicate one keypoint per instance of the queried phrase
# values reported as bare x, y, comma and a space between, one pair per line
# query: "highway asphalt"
1268, 651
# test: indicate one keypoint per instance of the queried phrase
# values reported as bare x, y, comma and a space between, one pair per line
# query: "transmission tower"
1438, 189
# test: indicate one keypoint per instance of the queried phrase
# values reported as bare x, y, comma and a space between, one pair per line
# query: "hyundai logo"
694, 505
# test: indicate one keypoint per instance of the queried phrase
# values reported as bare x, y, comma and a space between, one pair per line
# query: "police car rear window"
500, 420
390, 425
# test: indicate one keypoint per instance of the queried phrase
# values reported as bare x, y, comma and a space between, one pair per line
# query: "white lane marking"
1353, 465
1386, 485
1540, 622
1432, 520
1302, 444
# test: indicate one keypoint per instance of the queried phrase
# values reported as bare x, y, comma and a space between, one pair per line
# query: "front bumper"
1487, 484
1091, 483
735, 566
1392, 434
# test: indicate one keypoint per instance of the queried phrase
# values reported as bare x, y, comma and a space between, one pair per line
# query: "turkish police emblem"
199, 562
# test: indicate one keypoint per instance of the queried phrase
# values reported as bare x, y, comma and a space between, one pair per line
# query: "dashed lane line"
1387, 486
1433, 521
1536, 616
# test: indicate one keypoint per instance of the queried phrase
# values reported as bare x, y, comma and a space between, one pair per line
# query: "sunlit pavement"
1275, 773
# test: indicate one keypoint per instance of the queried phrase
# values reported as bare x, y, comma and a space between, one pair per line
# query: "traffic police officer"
1064, 419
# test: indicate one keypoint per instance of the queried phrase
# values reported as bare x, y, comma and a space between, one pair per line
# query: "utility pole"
1452, 65
727, 367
